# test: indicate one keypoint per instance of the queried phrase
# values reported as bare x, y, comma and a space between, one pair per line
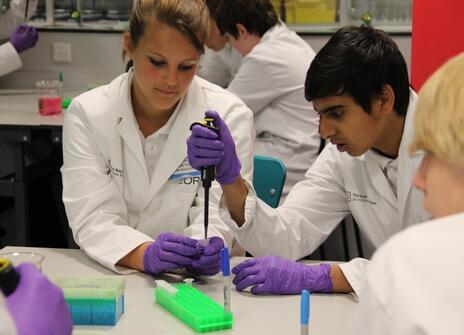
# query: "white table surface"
20, 108
330, 314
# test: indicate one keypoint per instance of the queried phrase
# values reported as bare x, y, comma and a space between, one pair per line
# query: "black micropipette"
9, 277
208, 173
27, 9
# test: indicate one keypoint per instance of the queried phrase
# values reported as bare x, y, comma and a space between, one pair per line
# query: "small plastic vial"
188, 281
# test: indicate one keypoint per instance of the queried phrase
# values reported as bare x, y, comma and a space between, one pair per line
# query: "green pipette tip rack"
194, 308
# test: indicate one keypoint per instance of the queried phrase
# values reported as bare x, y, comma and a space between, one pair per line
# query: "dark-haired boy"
358, 84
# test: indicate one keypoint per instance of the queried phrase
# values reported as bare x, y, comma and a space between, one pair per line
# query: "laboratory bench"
329, 313
21, 124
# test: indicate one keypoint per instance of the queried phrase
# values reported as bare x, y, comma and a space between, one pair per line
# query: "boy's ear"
242, 31
387, 98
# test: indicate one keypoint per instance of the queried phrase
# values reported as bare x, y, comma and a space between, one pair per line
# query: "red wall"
437, 35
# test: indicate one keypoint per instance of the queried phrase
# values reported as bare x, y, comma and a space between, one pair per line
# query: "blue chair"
268, 179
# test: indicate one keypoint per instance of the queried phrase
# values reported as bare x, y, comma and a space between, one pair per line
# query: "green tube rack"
193, 307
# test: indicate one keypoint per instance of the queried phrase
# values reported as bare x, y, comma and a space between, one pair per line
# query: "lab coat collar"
410, 161
405, 165
379, 180
192, 109
126, 124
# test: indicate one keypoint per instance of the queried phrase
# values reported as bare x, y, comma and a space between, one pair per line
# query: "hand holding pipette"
9, 277
37, 306
206, 147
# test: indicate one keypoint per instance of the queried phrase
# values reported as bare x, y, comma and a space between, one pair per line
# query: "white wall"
97, 57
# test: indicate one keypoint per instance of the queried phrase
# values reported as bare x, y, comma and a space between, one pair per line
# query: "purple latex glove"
37, 306
206, 147
169, 252
209, 262
24, 37
275, 275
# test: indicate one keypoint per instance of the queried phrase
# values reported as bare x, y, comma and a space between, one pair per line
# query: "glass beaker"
49, 96
17, 258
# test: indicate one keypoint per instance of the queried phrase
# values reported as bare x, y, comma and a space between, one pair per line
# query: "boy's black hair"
212, 6
257, 16
359, 61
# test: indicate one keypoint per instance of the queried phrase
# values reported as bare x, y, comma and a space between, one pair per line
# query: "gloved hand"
206, 147
169, 252
275, 275
37, 306
209, 262
24, 37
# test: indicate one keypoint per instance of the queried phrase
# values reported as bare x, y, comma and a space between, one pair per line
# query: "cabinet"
303, 16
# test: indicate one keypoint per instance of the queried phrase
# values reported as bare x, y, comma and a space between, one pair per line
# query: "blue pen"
225, 269
304, 312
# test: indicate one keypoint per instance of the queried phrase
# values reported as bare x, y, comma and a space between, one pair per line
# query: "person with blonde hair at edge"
412, 285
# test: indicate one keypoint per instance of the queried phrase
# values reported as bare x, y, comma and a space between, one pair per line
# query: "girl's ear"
128, 45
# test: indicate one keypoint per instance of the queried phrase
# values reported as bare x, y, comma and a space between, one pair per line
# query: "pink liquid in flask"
49, 105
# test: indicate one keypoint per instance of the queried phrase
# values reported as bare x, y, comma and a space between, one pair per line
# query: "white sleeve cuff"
355, 271
250, 207
9, 59
113, 254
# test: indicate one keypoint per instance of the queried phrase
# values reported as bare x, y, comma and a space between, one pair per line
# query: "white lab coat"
337, 184
13, 17
413, 284
9, 59
7, 326
110, 202
220, 67
271, 82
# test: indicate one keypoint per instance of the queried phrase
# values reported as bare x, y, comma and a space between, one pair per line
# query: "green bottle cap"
65, 103
367, 18
75, 15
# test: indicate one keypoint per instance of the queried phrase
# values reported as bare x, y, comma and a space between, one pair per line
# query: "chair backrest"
268, 179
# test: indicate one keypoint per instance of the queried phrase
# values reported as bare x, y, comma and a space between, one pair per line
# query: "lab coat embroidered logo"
356, 197
114, 171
